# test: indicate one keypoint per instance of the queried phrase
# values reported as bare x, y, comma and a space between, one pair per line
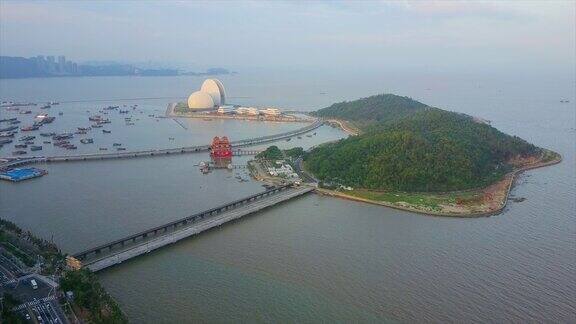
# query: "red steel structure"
221, 147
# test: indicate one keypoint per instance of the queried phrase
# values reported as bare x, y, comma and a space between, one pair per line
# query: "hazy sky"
234, 34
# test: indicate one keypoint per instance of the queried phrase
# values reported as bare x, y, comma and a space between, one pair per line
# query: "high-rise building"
68, 68
40, 63
50, 64
61, 64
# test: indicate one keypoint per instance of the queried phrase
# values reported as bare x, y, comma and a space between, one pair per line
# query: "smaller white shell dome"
200, 100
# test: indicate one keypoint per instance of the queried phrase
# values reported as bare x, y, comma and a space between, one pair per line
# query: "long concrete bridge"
118, 251
159, 152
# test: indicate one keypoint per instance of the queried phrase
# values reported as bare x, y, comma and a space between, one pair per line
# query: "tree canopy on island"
374, 109
424, 150
272, 153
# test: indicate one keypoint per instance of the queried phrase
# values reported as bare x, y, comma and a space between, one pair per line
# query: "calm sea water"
315, 258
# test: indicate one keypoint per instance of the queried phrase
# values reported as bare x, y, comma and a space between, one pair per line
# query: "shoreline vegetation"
399, 145
481, 202
88, 301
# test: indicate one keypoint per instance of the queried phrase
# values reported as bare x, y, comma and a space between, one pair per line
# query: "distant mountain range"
12, 67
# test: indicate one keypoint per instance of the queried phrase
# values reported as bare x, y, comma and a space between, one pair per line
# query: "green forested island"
411, 147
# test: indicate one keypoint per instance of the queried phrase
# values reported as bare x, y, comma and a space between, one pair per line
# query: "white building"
215, 89
247, 111
284, 170
253, 111
270, 112
225, 109
210, 96
241, 111
200, 101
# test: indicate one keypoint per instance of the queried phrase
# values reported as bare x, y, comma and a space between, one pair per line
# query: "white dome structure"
215, 89
200, 100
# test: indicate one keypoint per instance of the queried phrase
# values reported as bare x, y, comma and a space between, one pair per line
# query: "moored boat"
8, 119
7, 129
61, 143
7, 134
27, 138
62, 136
29, 128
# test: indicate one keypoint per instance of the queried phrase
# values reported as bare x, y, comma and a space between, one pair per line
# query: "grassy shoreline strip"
550, 158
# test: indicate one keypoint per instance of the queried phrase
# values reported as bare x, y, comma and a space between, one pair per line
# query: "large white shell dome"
200, 100
216, 90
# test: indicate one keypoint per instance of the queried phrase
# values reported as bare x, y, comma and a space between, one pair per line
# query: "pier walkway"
129, 247
13, 161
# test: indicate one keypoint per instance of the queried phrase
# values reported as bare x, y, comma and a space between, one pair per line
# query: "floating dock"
20, 174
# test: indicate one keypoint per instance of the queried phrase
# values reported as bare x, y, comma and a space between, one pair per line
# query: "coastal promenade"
118, 251
13, 161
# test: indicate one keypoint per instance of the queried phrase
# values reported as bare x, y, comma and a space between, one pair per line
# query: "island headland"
411, 156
